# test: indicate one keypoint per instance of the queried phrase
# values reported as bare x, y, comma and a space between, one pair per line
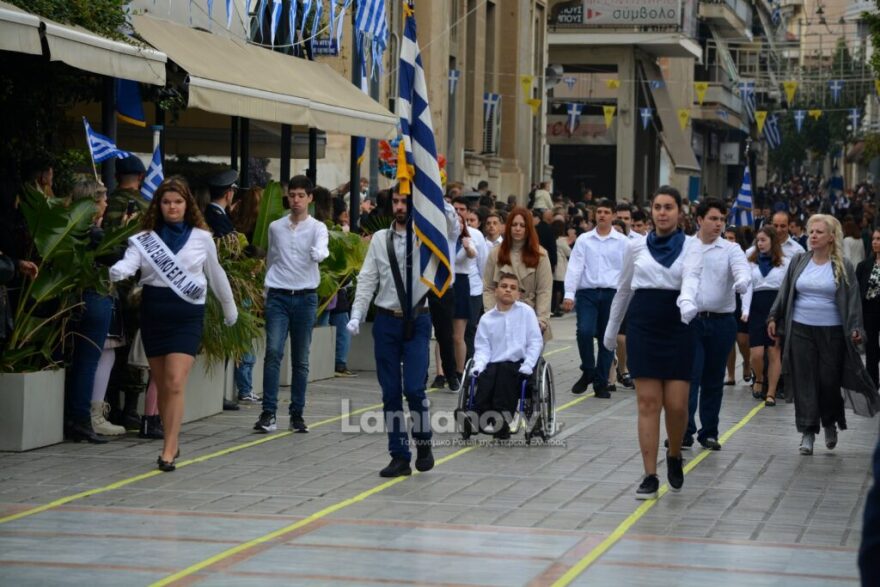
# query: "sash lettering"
163, 261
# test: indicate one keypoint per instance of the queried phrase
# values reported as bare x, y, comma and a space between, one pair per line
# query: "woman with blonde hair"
819, 312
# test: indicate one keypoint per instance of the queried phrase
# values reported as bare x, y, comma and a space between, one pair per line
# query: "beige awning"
227, 76
676, 142
19, 30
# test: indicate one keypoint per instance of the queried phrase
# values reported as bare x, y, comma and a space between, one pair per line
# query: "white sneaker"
100, 425
807, 441
831, 437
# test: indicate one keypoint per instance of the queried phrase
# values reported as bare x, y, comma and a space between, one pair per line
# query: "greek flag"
419, 172
656, 84
454, 74
276, 20
371, 22
228, 13
771, 132
723, 114
647, 114
569, 81
154, 176
854, 116
836, 86
490, 104
799, 116
747, 93
574, 114
743, 205
101, 147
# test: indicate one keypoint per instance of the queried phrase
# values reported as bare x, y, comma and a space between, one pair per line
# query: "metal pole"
374, 144
245, 153
108, 127
313, 155
285, 151
160, 123
354, 171
233, 141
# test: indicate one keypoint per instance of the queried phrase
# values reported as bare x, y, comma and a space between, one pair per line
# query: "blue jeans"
244, 374
88, 344
343, 336
592, 307
715, 338
391, 350
293, 315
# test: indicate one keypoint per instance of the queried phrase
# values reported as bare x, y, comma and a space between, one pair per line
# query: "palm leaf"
271, 209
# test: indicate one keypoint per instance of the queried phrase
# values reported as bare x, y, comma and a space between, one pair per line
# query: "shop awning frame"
19, 30
673, 138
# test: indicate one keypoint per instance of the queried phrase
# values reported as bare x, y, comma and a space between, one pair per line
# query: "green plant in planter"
347, 254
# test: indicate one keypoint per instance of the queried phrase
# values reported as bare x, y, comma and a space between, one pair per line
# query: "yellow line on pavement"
591, 557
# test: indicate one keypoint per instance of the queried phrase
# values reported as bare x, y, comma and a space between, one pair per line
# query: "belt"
292, 292
399, 313
712, 315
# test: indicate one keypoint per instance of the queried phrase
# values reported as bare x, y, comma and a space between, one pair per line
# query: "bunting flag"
747, 93
100, 147
609, 111
229, 14
261, 16
723, 114
656, 84
526, 82
761, 119
316, 20
743, 205
307, 9
612, 84
647, 115
771, 132
344, 5
701, 88
370, 20
490, 105
799, 116
570, 81
454, 74
291, 23
776, 15
683, 116
276, 20
790, 87
815, 114
129, 107
210, 12
854, 118
535, 105
836, 86
154, 175
574, 115
877, 86
419, 168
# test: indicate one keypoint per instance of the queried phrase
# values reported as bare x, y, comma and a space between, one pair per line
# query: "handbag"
137, 356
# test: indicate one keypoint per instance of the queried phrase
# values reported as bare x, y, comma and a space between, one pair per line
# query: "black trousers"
872, 346
442, 311
817, 357
499, 388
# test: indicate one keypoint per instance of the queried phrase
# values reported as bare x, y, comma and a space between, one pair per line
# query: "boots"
78, 431
151, 427
100, 424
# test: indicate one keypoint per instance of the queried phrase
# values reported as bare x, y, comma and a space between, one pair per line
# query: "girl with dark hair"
768, 266
177, 258
660, 346
868, 274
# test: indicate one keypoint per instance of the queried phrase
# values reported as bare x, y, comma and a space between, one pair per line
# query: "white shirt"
595, 261
508, 336
473, 267
771, 282
854, 250
198, 256
543, 201
721, 270
375, 276
294, 253
633, 235
790, 248
491, 244
816, 301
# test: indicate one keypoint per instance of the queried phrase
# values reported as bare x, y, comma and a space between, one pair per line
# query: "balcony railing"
741, 8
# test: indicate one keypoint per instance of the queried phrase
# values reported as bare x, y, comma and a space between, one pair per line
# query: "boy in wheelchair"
507, 347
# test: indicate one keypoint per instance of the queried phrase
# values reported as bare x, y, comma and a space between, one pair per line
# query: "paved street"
244, 509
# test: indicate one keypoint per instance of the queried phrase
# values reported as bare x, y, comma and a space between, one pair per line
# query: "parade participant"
789, 246
520, 254
222, 187
442, 318
494, 228
868, 274
624, 213
661, 345
400, 346
768, 266
126, 201
470, 247
591, 280
507, 348
563, 252
819, 311
720, 270
742, 331
297, 243
639, 223
177, 258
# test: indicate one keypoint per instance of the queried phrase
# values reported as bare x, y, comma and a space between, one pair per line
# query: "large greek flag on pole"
417, 168
743, 215
101, 147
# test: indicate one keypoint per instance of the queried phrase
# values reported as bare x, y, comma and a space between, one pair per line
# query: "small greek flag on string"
772, 132
569, 81
656, 84
490, 104
647, 114
743, 215
836, 86
723, 114
371, 22
574, 114
799, 117
101, 147
454, 74
154, 176
854, 116
276, 20
747, 93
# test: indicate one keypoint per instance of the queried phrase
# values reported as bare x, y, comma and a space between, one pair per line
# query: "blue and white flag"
747, 93
743, 204
276, 20
307, 8
656, 84
574, 115
836, 86
420, 156
371, 22
454, 74
723, 114
316, 21
490, 104
229, 13
101, 147
647, 115
569, 81
291, 19
854, 118
340, 20
799, 117
261, 16
771, 131
210, 13
154, 176
776, 16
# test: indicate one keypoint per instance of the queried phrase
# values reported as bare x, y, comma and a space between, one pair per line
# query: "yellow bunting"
609, 114
760, 118
877, 85
404, 171
701, 88
612, 84
815, 114
683, 116
526, 83
535, 104
791, 87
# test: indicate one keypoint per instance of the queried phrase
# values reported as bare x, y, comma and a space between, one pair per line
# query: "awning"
227, 76
19, 30
674, 139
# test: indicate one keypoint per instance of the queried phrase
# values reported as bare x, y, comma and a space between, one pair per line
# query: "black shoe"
503, 433
626, 381
398, 467
79, 431
266, 423
687, 443
648, 488
424, 456
602, 392
151, 427
439, 382
581, 384
129, 421
611, 388
455, 383
230, 406
166, 466
297, 424
674, 472
710, 444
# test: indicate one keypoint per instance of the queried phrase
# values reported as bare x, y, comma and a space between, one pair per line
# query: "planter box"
205, 390
322, 357
31, 409
360, 354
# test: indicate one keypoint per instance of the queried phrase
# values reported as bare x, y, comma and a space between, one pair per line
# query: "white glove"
231, 320
477, 369
313, 253
610, 342
741, 287
523, 370
353, 326
688, 312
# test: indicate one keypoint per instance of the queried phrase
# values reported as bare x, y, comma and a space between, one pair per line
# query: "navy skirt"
462, 289
169, 324
741, 327
762, 301
658, 345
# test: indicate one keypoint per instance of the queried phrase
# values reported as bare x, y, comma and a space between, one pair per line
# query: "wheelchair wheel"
464, 410
547, 401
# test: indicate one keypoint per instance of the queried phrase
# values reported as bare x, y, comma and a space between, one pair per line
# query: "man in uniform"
222, 187
126, 200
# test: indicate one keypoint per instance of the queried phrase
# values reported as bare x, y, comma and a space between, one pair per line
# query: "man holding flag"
423, 224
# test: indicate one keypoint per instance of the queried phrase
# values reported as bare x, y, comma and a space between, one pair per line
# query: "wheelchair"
536, 407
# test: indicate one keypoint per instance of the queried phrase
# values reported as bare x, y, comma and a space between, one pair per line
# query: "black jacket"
863, 274
547, 238
219, 221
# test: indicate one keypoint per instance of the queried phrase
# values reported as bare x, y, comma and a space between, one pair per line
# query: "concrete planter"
31, 409
360, 354
205, 389
322, 357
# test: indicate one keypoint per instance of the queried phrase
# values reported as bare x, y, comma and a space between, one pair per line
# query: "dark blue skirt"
658, 345
741, 327
462, 289
762, 301
169, 324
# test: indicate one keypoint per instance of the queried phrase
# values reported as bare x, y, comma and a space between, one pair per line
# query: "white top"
563, 252
491, 244
595, 261
721, 270
815, 303
633, 235
198, 256
294, 253
375, 276
473, 267
543, 201
641, 271
508, 336
854, 250
790, 248
771, 282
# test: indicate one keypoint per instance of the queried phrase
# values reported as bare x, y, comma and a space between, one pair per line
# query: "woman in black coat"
868, 274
